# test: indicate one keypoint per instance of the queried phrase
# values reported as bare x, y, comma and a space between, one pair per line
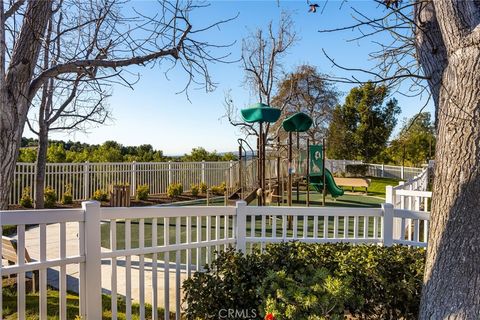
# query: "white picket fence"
394, 172
411, 195
144, 254
86, 178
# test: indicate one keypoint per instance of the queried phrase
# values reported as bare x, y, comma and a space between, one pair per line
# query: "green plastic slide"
316, 181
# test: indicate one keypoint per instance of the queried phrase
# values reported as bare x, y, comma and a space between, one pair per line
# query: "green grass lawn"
377, 186
32, 306
359, 200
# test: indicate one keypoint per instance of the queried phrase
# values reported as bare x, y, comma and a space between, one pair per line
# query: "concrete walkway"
32, 237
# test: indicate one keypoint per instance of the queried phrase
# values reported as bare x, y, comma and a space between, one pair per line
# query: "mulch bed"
152, 200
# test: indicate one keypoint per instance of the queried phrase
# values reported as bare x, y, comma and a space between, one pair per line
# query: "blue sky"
153, 113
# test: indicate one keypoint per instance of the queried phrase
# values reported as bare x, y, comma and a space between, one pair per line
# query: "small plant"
67, 197
50, 197
174, 190
203, 187
142, 192
220, 189
194, 188
26, 199
100, 195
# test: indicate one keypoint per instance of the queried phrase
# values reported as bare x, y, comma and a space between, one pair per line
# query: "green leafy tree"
109, 151
228, 156
56, 153
200, 154
415, 143
27, 154
361, 127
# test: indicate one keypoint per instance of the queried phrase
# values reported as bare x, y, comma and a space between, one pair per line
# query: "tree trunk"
40, 167
9, 143
452, 275
14, 102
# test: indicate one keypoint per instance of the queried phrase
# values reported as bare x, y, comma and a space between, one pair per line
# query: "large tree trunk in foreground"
14, 91
449, 52
10, 139
452, 279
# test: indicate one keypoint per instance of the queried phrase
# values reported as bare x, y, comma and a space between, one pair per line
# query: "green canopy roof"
299, 122
260, 112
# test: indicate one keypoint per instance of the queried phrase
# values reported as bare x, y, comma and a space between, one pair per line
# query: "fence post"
93, 260
86, 180
134, 178
241, 224
169, 172
230, 177
402, 172
383, 170
387, 226
203, 171
389, 194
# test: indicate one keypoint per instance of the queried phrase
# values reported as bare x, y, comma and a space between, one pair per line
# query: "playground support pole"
290, 184
264, 140
240, 170
323, 172
308, 172
260, 167
298, 167
279, 173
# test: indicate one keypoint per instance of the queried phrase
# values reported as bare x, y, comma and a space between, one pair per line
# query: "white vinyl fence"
394, 172
411, 195
86, 178
144, 254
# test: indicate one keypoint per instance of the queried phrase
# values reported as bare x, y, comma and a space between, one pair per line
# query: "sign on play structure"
316, 159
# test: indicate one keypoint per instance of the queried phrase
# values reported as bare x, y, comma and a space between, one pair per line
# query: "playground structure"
276, 167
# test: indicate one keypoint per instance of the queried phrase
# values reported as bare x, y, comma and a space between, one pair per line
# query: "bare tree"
436, 45
306, 90
69, 103
69, 108
99, 42
262, 52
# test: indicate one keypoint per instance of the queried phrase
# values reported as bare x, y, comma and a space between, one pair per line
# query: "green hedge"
378, 282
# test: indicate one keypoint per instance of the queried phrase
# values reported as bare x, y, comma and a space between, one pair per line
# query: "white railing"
411, 195
144, 254
394, 172
336, 166
86, 178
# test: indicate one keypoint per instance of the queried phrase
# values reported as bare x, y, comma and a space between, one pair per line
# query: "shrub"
100, 195
357, 170
50, 197
219, 190
312, 295
142, 192
194, 188
174, 190
231, 281
26, 200
67, 197
377, 282
203, 187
